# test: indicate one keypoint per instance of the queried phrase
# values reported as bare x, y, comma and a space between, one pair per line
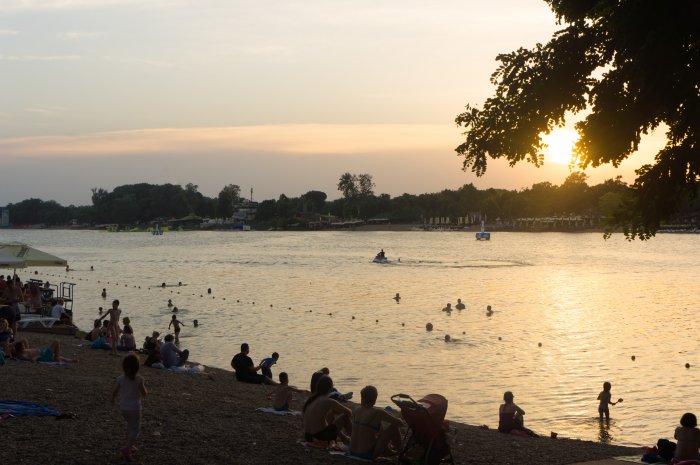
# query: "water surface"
590, 303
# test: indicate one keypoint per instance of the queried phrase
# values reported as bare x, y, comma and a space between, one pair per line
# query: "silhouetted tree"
631, 66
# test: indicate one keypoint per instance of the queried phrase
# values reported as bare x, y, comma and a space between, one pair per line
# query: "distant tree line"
142, 203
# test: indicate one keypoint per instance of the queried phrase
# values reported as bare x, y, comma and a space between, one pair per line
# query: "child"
688, 436
283, 394
95, 333
176, 324
114, 329
604, 398
267, 363
133, 389
127, 340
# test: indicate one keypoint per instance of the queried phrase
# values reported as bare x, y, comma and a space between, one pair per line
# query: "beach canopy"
30, 256
11, 262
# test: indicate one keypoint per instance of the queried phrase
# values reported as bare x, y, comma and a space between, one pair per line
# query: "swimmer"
489, 312
397, 298
460, 305
195, 323
170, 303
429, 327
104, 293
209, 291
179, 283
447, 338
174, 309
92, 268
448, 308
162, 285
100, 310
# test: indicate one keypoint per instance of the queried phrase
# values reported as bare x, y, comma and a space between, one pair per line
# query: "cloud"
139, 61
39, 5
8, 32
45, 110
40, 57
302, 139
78, 35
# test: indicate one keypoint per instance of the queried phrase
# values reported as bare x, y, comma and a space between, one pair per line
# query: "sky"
277, 96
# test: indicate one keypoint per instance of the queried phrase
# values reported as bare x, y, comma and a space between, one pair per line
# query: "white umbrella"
30, 256
7, 261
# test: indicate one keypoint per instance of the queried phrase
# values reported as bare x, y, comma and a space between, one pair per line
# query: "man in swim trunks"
245, 370
369, 440
325, 418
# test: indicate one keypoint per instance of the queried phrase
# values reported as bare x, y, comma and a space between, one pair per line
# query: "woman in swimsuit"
325, 418
369, 440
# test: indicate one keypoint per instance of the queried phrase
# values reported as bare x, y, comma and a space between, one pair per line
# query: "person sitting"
22, 351
325, 418
127, 341
245, 370
369, 440
510, 417
96, 331
283, 394
171, 355
460, 305
688, 437
334, 392
59, 312
6, 336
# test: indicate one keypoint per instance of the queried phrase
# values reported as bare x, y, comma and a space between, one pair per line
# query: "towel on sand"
277, 412
31, 409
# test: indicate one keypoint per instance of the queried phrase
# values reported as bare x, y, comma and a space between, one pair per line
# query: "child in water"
132, 388
175, 323
605, 399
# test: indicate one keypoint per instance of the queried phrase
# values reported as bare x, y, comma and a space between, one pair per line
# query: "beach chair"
425, 441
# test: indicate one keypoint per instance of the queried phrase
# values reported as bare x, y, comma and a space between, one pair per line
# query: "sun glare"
560, 143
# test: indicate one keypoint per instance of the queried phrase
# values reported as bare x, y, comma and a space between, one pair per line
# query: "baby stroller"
425, 441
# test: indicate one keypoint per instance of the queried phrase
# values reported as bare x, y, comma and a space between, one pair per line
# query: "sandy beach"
204, 419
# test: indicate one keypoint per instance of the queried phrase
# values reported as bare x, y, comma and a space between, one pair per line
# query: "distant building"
4, 217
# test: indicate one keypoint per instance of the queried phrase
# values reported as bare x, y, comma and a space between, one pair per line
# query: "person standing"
114, 313
133, 389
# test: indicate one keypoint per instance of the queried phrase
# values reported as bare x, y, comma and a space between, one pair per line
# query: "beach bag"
666, 448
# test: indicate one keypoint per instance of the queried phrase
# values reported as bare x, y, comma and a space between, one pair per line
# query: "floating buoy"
376, 321
403, 324
270, 305
289, 308
499, 338
464, 332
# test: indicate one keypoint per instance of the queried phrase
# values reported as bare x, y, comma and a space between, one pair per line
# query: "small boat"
482, 235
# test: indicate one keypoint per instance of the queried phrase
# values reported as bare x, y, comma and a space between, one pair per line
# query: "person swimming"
448, 308
460, 305
397, 298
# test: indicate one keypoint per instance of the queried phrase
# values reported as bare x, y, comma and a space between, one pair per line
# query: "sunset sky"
279, 96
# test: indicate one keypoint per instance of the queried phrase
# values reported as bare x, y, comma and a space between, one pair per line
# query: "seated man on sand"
325, 418
245, 370
510, 417
369, 440
171, 355
22, 351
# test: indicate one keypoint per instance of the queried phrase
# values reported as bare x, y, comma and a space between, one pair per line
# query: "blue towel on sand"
31, 409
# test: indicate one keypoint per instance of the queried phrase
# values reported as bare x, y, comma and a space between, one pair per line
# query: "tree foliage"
630, 67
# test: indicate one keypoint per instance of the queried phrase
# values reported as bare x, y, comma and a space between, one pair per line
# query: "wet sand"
204, 419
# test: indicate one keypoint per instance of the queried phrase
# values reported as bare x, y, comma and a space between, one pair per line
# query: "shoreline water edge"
206, 417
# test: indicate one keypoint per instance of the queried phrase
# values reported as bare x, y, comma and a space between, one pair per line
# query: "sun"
560, 143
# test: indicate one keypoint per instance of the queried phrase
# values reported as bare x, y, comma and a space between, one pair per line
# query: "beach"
206, 418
